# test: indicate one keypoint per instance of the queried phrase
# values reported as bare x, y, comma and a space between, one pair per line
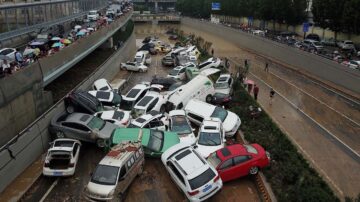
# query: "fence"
26, 147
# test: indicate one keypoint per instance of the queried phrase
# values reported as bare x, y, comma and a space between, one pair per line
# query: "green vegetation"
290, 176
124, 35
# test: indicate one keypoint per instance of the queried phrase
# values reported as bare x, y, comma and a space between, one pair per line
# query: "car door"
182, 74
76, 152
231, 81
176, 176
76, 131
131, 66
226, 170
242, 165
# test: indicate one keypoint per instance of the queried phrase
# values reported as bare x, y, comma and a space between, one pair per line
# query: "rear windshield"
132, 93
105, 175
180, 125
174, 72
58, 154
202, 179
219, 113
118, 115
209, 139
96, 123
63, 143
156, 140
127, 105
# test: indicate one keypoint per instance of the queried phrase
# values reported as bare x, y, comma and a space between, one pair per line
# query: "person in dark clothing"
212, 52
266, 67
272, 93
256, 91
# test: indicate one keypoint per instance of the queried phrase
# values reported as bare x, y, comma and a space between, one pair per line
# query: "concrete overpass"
155, 18
156, 5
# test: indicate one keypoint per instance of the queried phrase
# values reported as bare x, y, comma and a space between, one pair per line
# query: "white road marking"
49, 190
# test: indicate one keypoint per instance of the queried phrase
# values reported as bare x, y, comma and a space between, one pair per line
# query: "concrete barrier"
32, 142
324, 69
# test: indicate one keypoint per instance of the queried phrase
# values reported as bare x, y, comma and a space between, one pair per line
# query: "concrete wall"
330, 73
33, 141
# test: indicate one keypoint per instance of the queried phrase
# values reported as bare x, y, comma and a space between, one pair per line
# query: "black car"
148, 47
81, 101
166, 82
314, 37
221, 99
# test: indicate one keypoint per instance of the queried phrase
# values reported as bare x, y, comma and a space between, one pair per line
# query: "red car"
239, 160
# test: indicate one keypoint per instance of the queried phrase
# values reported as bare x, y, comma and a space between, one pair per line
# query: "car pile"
183, 123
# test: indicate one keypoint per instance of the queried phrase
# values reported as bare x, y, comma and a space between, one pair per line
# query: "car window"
76, 126
240, 159
196, 117
176, 172
156, 140
122, 172
156, 123
202, 179
152, 105
226, 164
76, 146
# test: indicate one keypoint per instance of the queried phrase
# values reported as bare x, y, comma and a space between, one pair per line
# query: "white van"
142, 58
197, 111
200, 87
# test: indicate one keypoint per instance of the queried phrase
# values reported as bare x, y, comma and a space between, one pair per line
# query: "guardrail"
151, 17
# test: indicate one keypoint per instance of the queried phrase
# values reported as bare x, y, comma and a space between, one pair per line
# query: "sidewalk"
339, 169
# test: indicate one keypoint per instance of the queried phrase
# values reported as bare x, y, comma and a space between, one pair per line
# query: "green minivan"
155, 142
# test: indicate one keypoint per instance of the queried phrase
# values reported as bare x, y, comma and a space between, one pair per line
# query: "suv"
224, 84
180, 124
152, 120
133, 96
151, 101
115, 172
210, 63
312, 44
110, 100
168, 60
81, 101
191, 172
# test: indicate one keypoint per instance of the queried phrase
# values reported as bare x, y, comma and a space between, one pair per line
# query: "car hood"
170, 139
107, 130
99, 189
205, 151
187, 138
231, 121
225, 91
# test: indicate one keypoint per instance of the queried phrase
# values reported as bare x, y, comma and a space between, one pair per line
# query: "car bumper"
233, 130
58, 173
92, 197
208, 195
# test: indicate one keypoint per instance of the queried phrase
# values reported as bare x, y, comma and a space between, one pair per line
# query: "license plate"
207, 188
57, 173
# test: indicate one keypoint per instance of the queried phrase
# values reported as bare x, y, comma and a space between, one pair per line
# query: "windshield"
174, 72
117, 99
202, 179
209, 139
96, 123
156, 140
222, 85
251, 149
214, 160
105, 175
219, 113
180, 125
127, 105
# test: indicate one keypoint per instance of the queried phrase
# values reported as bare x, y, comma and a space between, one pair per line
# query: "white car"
224, 84
353, 64
102, 85
133, 96
197, 111
109, 100
211, 137
133, 66
346, 45
62, 157
151, 101
117, 117
9, 52
179, 123
191, 172
93, 15
152, 120
178, 73
210, 63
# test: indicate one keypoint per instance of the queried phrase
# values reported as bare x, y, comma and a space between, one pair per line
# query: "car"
9, 52
221, 99
238, 160
62, 157
84, 127
210, 63
353, 64
313, 37
313, 45
155, 142
109, 100
168, 60
93, 15
103, 85
178, 73
151, 101
346, 45
197, 111
141, 57
329, 42
211, 136
118, 117
115, 173
133, 66
180, 124
163, 48
191, 172
81, 101
152, 120
173, 37
133, 96
165, 82
193, 51
224, 84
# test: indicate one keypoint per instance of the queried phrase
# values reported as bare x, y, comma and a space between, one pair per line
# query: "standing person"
266, 67
19, 58
256, 91
247, 66
272, 93
212, 52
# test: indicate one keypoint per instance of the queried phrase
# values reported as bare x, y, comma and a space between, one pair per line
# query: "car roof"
145, 118
110, 113
63, 144
102, 95
145, 101
100, 83
177, 113
210, 125
129, 134
79, 118
119, 153
194, 105
231, 151
223, 78
190, 163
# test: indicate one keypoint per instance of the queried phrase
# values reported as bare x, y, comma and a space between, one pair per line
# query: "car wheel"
209, 98
60, 134
254, 170
70, 109
100, 143
141, 70
122, 68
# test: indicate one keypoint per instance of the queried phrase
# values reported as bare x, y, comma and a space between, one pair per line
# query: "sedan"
179, 123
83, 127
353, 64
133, 66
224, 84
221, 99
239, 160
117, 117
178, 73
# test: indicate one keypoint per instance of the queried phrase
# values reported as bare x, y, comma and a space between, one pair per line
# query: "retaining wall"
330, 72
28, 146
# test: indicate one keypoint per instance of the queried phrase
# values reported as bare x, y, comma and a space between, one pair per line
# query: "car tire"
209, 98
101, 143
70, 109
60, 134
122, 67
141, 70
254, 170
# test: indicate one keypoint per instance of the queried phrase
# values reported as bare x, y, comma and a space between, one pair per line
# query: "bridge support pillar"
109, 43
156, 7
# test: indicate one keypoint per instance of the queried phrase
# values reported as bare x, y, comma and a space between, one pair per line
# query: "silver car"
84, 127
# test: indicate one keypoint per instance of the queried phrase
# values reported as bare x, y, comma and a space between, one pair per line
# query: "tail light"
193, 193
217, 178
71, 164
